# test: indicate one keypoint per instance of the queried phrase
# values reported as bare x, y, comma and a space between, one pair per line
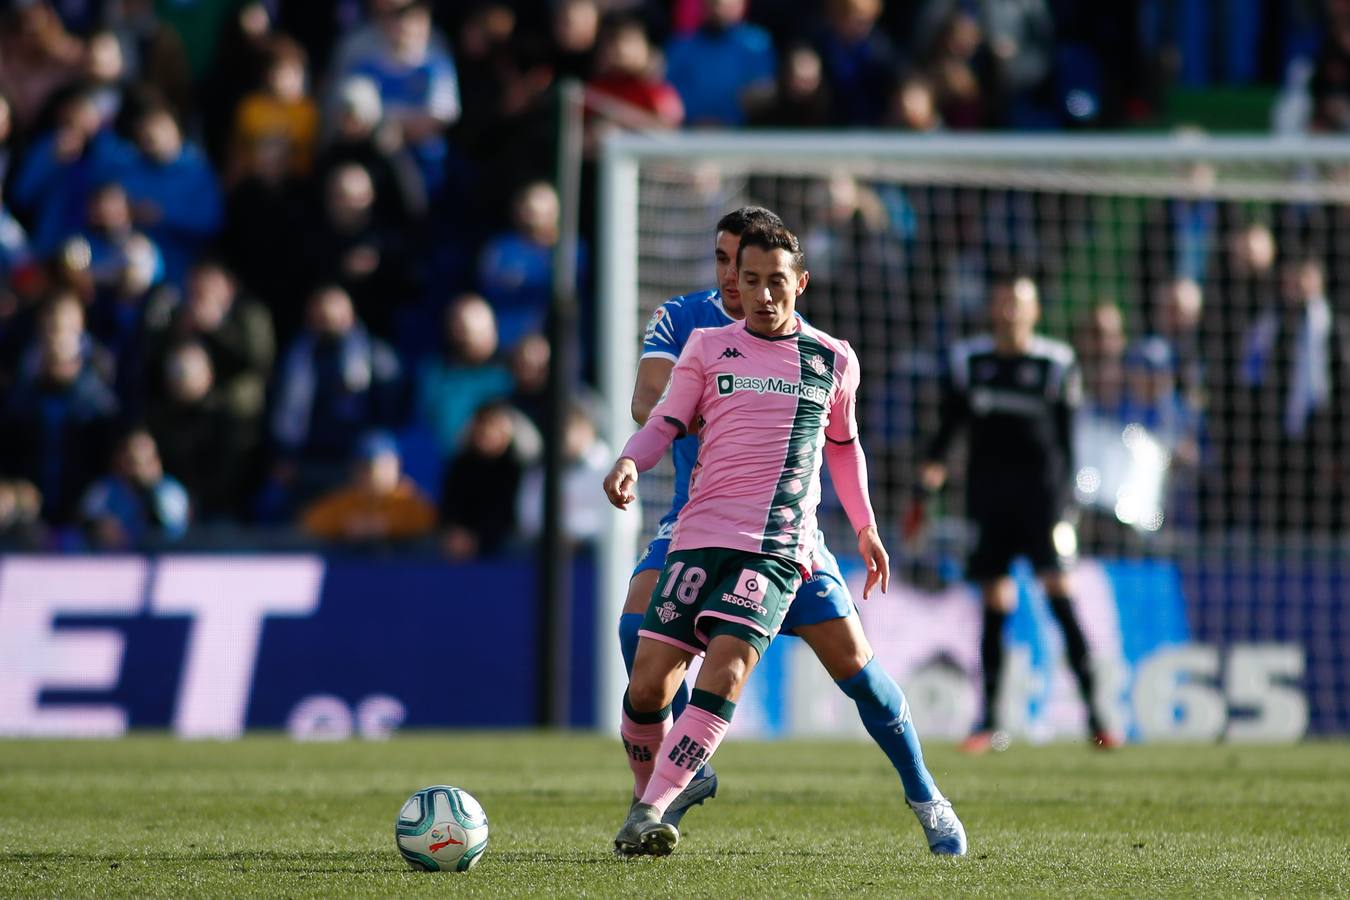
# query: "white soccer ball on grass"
442, 829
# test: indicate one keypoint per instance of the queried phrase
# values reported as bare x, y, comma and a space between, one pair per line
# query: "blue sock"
629, 623
885, 714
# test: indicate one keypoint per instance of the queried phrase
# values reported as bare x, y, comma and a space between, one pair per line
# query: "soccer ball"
442, 829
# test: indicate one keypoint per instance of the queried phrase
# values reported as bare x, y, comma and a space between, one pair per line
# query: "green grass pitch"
267, 817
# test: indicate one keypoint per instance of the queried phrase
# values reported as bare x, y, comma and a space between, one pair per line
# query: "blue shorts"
822, 597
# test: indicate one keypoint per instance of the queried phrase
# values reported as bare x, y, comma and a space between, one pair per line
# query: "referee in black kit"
1016, 392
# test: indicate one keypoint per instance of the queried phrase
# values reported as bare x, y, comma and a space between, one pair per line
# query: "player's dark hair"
770, 238
1008, 278
738, 221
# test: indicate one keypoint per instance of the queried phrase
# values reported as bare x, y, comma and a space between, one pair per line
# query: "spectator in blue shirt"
456, 382
860, 60
136, 503
122, 265
61, 168
174, 194
721, 65
418, 84
515, 269
335, 383
59, 415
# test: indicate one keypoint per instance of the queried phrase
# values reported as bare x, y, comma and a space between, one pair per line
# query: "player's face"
769, 286
724, 255
1016, 308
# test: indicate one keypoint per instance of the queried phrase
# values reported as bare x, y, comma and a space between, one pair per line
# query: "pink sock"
641, 742
689, 745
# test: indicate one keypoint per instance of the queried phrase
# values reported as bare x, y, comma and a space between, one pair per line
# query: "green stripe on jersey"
801, 462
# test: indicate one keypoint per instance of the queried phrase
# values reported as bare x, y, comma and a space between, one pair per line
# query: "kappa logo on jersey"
731, 353
667, 613
728, 384
817, 365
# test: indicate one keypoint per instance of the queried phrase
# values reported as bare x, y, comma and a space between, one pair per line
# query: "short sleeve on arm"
843, 426
666, 332
685, 391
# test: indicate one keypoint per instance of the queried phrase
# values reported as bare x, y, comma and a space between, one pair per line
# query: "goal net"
1203, 285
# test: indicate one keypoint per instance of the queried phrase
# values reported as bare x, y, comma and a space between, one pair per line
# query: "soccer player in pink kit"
774, 396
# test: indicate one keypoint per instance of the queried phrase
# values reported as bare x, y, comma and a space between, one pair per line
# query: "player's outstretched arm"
848, 472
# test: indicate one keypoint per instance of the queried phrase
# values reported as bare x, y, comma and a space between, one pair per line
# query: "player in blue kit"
822, 614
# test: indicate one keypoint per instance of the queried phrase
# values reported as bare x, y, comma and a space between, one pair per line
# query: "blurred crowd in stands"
288, 264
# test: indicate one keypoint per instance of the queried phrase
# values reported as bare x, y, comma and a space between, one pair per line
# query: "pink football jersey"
768, 405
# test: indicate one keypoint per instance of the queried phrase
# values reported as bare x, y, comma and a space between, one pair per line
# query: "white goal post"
661, 193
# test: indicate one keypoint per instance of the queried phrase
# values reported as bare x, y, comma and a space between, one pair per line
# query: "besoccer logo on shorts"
749, 592
750, 586
726, 384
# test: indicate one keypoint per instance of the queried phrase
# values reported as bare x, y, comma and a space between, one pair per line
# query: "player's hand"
620, 482
932, 475
878, 562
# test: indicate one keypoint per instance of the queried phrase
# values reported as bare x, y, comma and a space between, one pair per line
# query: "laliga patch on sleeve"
653, 322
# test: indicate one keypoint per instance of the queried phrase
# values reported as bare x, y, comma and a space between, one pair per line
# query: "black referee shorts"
1010, 528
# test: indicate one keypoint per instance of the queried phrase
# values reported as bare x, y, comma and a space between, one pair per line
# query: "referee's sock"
991, 658
1076, 649
885, 714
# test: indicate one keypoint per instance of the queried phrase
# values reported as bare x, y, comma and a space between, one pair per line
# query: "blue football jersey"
667, 331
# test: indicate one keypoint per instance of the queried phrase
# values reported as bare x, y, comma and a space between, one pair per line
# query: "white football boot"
946, 835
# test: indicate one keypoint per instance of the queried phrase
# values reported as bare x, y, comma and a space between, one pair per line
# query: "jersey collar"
775, 337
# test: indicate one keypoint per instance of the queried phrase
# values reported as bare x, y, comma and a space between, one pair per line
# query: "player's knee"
724, 681
844, 657
646, 692
729, 662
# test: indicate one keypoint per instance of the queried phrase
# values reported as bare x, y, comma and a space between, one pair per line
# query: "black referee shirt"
1019, 412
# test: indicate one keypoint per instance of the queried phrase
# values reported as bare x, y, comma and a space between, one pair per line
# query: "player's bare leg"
1058, 591
640, 588
658, 669
1000, 601
843, 649
690, 742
